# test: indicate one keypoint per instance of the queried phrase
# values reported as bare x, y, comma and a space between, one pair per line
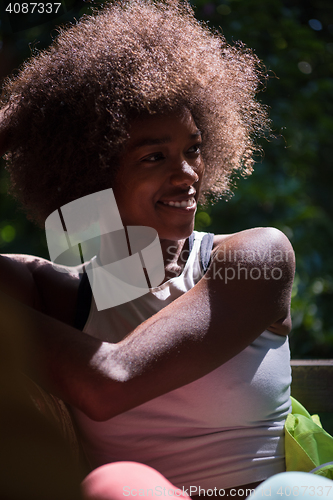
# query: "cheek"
134, 200
136, 189
144, 190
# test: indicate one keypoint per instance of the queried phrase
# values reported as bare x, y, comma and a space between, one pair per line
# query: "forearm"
101, 379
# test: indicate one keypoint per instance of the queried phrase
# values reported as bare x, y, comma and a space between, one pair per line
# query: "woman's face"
160, 174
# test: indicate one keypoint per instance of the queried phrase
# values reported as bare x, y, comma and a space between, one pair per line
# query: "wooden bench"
312, 385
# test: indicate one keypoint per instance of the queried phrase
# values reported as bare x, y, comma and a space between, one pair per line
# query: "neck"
174, 252
174, 257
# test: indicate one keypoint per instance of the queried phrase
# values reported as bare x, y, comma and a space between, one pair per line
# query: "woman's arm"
246, 290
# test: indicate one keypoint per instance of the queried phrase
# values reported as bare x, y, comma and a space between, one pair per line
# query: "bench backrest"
312, 384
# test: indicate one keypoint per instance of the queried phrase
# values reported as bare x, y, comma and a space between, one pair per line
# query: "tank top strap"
206, 248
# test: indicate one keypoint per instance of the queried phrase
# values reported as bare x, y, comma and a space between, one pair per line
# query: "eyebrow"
150, 141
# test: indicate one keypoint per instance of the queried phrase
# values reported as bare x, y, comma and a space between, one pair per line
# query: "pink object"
121, 480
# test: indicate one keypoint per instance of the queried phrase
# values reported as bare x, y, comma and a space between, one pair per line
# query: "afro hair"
69, 108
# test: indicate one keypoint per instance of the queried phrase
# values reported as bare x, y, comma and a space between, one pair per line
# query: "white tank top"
223, 430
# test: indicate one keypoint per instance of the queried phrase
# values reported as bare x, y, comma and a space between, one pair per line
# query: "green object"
308, 447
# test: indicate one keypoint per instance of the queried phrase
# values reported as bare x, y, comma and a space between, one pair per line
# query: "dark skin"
214, 321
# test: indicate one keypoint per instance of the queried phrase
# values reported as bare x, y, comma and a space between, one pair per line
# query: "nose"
184, 174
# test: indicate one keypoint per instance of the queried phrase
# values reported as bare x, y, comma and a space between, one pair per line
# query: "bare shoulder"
258, 262
257, 245
266, 233
36, 282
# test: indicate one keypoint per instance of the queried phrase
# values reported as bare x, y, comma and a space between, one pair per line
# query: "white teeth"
181, 204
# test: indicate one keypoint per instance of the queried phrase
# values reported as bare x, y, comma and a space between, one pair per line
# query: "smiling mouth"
180, 204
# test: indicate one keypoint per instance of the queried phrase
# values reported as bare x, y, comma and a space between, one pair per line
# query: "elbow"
97, 413
107, 398
284, 255
99, 408
273, 251
105, 392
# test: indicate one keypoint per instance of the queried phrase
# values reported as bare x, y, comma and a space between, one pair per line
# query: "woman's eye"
153, 157
195, 149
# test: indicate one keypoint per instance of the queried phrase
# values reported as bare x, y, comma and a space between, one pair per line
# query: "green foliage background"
291, 187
